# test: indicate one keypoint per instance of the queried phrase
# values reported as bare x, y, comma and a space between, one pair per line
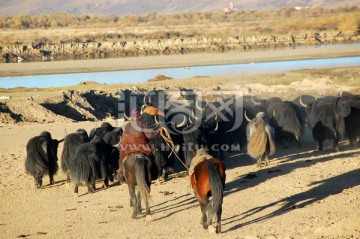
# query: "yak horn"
182, 123
145, 103
142, 109
254, 102
126, 117
302, 103
217, 122
193, 115
156, 121
246, 117
198, 106
190, 121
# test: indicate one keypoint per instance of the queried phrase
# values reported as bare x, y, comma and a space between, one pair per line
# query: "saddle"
152, 111
121, 171
200, 156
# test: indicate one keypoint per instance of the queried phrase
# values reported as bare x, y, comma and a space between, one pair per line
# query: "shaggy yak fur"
90, 163
260, 141
41, 157
71, 144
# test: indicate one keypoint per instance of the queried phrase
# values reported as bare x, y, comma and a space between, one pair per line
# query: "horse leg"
120, 174
133, 199
148, 181
148, 217
138, 202
210, 216
203, 217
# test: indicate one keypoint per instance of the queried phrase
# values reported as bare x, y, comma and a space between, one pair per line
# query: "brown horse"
137, 169
208, 179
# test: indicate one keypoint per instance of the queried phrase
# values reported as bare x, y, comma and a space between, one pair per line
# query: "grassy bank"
70, 28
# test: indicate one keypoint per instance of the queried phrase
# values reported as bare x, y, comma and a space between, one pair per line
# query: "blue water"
138, 76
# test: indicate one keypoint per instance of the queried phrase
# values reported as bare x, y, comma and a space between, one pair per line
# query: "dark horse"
137, 169
208, 179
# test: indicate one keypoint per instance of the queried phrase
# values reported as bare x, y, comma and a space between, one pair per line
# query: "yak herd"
221, 125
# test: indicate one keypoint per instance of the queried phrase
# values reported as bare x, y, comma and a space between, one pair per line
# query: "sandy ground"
301, 194
132, 63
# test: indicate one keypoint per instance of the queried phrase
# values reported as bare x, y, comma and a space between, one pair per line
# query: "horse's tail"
216, 185
140, 175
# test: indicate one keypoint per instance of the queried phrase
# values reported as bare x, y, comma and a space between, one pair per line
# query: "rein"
170, 143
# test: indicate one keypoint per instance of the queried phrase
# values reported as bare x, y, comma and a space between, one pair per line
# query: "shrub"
349, 23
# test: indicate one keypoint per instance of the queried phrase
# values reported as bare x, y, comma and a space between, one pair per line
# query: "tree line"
343, 18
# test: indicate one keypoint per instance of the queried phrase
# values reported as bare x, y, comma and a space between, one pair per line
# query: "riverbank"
96, 102
186, 60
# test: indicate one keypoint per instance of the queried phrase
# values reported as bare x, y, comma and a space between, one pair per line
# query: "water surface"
139, 76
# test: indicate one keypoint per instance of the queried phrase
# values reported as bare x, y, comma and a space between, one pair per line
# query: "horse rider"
135, 140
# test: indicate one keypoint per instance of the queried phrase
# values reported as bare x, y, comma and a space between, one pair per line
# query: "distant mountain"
140, 7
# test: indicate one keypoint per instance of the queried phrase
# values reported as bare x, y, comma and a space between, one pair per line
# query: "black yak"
90, 163
349, 107
325, 122
352, 125
100, 131
111, 137
288, 121
41, 157
260, 140
71, 144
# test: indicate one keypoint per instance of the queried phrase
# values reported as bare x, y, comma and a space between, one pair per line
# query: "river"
142, 75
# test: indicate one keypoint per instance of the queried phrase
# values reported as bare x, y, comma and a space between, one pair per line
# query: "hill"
127, 7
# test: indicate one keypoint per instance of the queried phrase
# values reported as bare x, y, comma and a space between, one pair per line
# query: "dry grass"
93, 29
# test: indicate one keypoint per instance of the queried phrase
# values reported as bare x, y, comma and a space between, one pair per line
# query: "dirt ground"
301, 194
